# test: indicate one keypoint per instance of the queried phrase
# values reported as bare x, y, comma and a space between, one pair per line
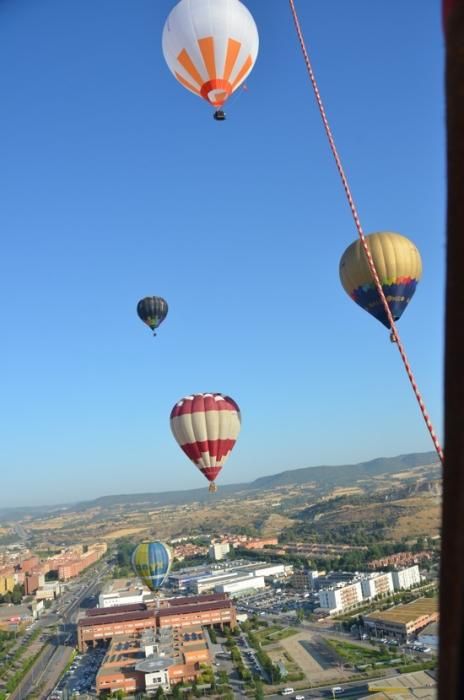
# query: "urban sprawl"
225, 626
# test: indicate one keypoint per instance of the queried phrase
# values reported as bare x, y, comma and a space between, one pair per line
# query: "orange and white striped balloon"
210, 46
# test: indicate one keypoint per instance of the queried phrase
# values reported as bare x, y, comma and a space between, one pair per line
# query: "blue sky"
116, 183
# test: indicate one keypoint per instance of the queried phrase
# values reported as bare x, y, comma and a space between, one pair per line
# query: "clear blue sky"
116, 183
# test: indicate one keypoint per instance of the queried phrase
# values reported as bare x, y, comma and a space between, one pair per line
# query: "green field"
274, 633
358, 655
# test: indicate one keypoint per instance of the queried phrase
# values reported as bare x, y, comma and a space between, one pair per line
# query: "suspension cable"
394, 331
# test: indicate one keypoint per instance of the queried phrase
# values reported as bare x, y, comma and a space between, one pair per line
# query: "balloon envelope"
398, 264
206, 427
151, 562
210, 46
152, 311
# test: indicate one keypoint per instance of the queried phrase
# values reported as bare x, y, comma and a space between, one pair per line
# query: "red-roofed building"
152, 660
207, 614
102, 624
102, 628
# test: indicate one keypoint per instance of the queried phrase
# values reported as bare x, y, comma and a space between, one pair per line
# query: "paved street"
54, 670
33, 676
351, 691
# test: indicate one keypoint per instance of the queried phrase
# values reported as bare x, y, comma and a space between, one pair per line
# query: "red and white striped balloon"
206, 427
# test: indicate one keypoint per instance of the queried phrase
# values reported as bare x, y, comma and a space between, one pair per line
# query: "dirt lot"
314, 658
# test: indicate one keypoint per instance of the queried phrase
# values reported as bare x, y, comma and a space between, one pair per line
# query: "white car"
299, 697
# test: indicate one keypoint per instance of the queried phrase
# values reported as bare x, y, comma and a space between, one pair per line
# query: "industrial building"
115, 599
241, 585
403, 621
206, 583
206, 578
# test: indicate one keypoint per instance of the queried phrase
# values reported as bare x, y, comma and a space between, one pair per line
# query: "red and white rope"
394, 331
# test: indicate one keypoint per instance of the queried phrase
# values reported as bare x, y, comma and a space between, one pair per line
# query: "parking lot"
249, 658
277, 601
81, 676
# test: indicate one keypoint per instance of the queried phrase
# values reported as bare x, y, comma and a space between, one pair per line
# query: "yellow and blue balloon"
398, 264
151, 562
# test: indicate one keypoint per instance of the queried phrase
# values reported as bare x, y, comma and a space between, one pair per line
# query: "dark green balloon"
152, 311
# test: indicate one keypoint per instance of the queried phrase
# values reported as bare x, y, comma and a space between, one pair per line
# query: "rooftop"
407, 613
409, 686
94, 620
111, 610
7, 611
193, 599
154, 663
186, 609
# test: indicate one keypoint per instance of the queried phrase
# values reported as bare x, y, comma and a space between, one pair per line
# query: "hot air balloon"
206, 427
152, 311
210, 46
398, 264
151, 562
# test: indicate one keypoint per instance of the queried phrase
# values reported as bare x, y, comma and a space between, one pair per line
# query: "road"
350, 690
20, 531
51, 663
33, 676
54, 669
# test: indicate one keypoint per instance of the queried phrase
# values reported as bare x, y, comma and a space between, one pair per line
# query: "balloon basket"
212, 487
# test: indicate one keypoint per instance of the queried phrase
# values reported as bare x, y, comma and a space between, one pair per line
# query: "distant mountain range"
322, 476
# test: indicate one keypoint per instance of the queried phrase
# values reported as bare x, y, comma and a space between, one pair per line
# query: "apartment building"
342, 598
374, 585
406, 578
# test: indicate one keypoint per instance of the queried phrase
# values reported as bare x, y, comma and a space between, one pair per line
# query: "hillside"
382, 499
320, 478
